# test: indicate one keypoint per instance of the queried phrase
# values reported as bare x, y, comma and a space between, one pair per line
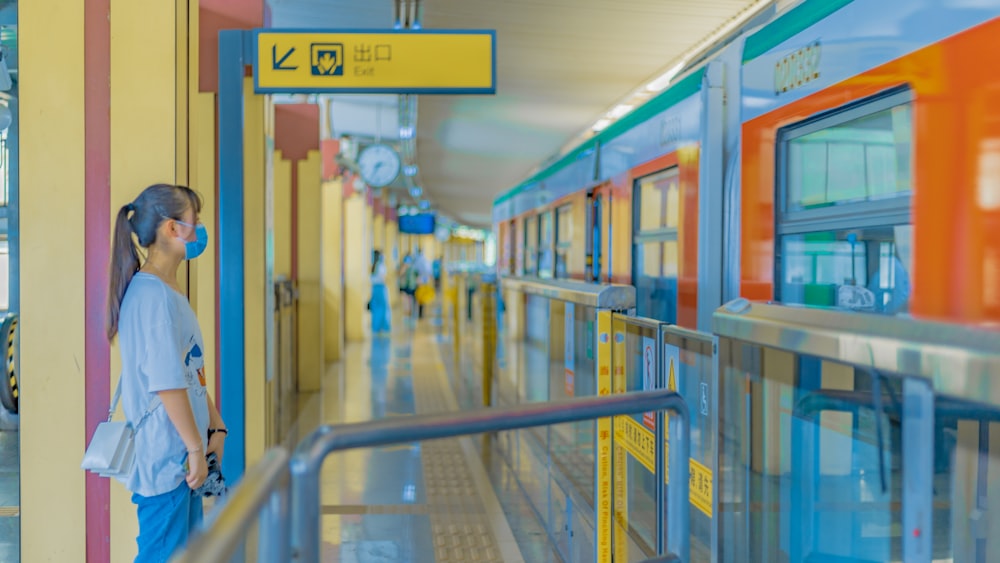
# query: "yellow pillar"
356, 279
282, 216
52, 280
202, 178
333, 259
145, 144
256, 216
378, 232
310, 282
392, 258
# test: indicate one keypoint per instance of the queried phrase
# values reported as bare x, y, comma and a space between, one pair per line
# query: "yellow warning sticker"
637, 440
699, 483
602, 545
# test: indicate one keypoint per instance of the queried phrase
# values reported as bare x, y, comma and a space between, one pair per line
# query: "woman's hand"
197, 469
217, 444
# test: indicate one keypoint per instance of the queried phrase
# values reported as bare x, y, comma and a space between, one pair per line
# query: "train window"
655, 252
564, 239
844, 207
660, 197
531, 246
546, 255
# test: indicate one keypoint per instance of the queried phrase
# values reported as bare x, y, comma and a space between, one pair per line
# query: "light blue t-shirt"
161, 348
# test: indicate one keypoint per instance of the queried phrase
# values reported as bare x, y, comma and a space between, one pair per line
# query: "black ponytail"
124, 264
154, 205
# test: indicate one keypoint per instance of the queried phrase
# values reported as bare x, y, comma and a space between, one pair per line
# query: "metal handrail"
262, 492
599, 296
312, 451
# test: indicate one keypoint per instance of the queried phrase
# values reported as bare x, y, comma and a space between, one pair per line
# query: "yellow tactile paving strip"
462, 528
466, 521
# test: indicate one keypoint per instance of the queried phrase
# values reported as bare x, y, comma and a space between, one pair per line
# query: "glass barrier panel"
634, 451
689, 368
812, 463
574, 376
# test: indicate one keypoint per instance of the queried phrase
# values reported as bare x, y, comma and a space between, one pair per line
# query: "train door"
594, 255
655, 256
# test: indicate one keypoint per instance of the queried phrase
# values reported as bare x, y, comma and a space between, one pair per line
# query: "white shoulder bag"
112, 449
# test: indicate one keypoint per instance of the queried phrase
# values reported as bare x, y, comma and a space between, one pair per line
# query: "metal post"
489, 339
273, 531
305, 508
678, 493
918, 470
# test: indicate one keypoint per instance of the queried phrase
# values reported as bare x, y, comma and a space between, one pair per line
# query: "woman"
163, 376
380, 296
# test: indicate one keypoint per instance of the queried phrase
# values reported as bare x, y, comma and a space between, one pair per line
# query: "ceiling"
561, 66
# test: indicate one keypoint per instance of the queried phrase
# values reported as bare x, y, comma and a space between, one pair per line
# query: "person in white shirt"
163, 366
379, 303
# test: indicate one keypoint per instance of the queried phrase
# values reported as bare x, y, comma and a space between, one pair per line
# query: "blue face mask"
194, 248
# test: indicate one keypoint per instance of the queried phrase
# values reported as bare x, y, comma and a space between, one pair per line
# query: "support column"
310, 274
56, 288
297, 128
392, 255
357, 250
258, 267
282, 214
333, 261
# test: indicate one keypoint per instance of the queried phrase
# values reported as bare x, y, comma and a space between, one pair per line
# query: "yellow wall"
282, 216
52, 280
310, 284
149, 144
333, 271
255, 263
357, 284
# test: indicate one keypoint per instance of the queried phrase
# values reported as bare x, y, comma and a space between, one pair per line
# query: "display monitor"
420, 224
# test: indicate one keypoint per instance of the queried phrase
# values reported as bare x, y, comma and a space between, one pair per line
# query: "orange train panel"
686, 160
956, 175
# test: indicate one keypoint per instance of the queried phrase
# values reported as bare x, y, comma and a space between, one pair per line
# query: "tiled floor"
435, 501
10, 497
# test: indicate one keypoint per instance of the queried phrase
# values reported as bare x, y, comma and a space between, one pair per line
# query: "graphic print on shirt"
194, 361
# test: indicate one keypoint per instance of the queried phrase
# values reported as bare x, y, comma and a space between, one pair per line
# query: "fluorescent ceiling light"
619, 111
664, 80
602, 124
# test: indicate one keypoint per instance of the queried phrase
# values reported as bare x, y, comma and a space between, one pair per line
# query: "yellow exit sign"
400, 62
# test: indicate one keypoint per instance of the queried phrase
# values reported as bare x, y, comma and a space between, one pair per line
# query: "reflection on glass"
546, 259
862, 269
564, 239
530, 245
660, 198
656, 280
863, 159
812, 462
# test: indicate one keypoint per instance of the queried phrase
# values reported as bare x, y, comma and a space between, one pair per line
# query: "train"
844, 153
840, 155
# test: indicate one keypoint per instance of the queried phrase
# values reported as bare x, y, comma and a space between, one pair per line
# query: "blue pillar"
232, 388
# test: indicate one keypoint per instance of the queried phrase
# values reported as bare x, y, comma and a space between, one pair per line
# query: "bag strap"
114, 400
118, 396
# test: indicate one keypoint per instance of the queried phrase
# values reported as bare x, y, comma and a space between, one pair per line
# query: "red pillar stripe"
97, 243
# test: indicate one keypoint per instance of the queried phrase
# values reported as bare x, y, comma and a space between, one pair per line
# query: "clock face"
379, 165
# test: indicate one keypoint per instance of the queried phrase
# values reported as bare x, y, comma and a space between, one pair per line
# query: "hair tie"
130, 207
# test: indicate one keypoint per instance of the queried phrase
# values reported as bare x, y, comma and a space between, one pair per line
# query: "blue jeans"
165, 522
380, 308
